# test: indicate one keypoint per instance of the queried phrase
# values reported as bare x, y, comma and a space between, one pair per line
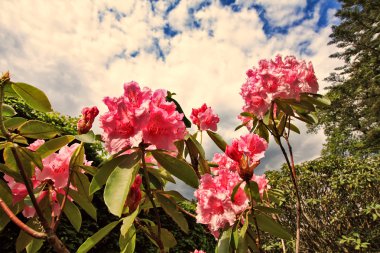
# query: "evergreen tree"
351, 123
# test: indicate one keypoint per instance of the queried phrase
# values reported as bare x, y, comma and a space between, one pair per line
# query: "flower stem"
146, 182
20, 224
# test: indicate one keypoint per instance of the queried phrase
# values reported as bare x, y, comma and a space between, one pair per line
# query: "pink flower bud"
88, 115
134, 195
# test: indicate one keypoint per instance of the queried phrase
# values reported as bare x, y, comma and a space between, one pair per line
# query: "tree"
351, 123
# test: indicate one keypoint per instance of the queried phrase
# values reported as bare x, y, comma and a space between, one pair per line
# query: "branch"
30, 231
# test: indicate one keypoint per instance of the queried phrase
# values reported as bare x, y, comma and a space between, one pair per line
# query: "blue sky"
80, 51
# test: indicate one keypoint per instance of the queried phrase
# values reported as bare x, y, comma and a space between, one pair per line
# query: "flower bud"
88, 115
134, 195
233, 152
245, 170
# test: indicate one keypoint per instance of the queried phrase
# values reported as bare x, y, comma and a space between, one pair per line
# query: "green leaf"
192, 141
89, 169
218, 140
72, 213
9, 92
11, 172
108, 167
269, 210
32, 157
117, 187
5, 193
54, 145
178, 168
262, 132
253, 189
10, 162
247, 114
127, 242
224, 241
34, 246
80, 181
23, 238
84, 203
128, 222
174, 194
167, 238
77, 158
14, 122
8, 111
4, 219
32, 96
266, 117
271, 226
88, 137
161, 173
37, 130
285, 108
318, 100
293, 128
171, 210
97, 237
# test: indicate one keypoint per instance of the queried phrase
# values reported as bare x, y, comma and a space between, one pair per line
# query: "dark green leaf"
84, 203
4, 219
171, 210
37, 130
161, 173
97, 237
23, 238
271, 226
218, 140
72, 213
284, 107
34, 97
34, 246
178, 168
5, 193
224, 241
268, 210
128, 222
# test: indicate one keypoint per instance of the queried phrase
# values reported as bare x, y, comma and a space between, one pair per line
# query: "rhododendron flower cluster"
204, 118
85, 122
214, 206
141, 116
277, 78
55, 172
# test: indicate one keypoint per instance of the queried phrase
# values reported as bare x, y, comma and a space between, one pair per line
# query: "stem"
52, 238
186, 212
30, 231
55, 225
294, 181
149, 193
258, 241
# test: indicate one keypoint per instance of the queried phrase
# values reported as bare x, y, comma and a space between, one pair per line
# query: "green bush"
340, 202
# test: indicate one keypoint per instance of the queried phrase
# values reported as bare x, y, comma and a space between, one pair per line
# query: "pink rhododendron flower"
134, 195
88, 115
204, 118
214, 206
277, 78
198, 251
247, 151
141, 116
224, 162
55, 172
249, 145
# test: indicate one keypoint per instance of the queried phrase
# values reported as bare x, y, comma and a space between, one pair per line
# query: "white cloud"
63, 48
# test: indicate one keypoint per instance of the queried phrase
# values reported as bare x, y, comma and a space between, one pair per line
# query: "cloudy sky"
80, 51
